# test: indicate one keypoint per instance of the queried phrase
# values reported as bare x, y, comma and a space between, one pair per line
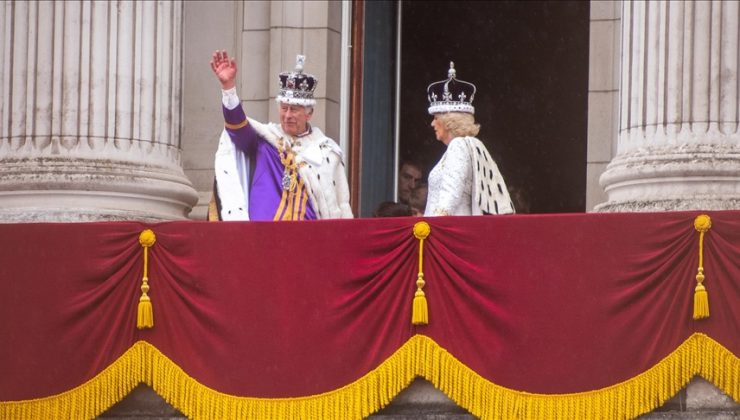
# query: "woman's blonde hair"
459, 124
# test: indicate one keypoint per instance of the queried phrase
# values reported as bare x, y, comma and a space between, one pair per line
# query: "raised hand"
224, 68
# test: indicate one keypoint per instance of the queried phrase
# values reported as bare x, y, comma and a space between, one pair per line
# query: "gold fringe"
702, 224
420, 356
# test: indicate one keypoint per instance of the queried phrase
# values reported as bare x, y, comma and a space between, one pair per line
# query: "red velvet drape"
544, 304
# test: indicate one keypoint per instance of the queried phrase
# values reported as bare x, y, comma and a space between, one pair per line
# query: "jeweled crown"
451, 95
297, 87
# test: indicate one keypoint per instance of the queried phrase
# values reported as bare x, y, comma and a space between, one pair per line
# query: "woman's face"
439, 130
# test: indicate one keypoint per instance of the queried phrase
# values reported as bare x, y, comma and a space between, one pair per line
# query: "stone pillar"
678, 126
90, 111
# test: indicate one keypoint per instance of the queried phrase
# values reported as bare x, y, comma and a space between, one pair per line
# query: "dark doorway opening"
529, 61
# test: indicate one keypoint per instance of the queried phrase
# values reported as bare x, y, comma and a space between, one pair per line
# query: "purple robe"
265, 190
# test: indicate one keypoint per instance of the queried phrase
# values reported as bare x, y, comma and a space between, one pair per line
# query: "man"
418, 199
286, 171
409, 176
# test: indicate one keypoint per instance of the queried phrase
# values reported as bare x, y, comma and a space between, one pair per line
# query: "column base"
703, 177
82, 190
679, 204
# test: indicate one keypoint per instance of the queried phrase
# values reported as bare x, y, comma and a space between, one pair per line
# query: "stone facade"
109, 112
603, 94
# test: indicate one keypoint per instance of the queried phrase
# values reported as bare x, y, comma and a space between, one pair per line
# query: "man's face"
408, 178
294, 118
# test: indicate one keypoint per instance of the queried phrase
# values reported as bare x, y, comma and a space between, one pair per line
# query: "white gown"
466, 181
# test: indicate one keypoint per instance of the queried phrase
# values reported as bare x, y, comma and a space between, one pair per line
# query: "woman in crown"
466, 180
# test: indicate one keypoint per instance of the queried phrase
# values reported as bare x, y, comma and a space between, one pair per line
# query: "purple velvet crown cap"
451, 95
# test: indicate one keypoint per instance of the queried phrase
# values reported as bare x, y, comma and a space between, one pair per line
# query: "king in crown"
285, 171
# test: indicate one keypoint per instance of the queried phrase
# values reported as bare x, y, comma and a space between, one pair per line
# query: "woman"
466, 181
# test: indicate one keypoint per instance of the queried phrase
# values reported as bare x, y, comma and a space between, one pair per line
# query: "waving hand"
224, 68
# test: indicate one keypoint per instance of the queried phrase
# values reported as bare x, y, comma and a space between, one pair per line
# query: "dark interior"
529, 61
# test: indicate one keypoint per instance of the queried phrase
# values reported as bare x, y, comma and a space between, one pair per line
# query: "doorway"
529, 62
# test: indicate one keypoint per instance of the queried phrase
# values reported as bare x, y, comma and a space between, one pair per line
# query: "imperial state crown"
297, 87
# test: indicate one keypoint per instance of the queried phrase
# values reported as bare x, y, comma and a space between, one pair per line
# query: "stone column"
678, 129
90, 111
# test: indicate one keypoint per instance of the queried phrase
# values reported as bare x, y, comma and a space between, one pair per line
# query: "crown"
451, 95
296, 87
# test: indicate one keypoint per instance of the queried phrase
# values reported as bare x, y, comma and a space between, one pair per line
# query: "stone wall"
603, 94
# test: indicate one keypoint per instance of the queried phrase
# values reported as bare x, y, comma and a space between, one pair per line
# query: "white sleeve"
229, 98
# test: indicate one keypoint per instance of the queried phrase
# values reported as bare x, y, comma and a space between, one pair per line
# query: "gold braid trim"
236, 126
419, 356
295, 195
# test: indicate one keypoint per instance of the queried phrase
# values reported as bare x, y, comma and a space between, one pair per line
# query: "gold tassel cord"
420, 309
702, 224
419, 356
145, 312
294, 193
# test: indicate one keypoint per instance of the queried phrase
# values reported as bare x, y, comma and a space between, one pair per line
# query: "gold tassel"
420, 309
702, 224
145, 313
420, 312
701, 300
